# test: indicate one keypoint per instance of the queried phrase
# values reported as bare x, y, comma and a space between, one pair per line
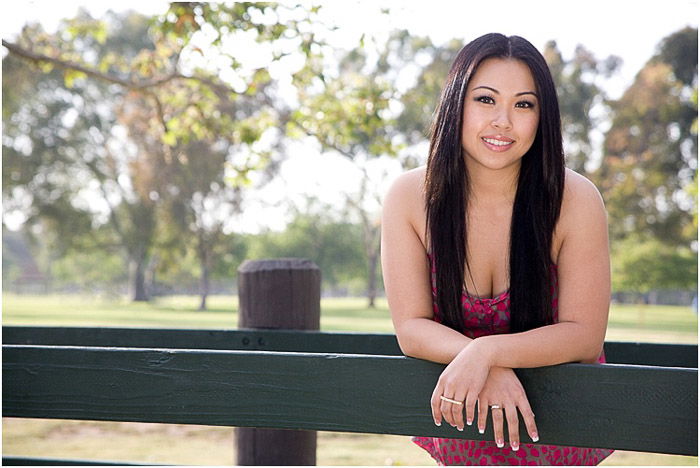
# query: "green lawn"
670, 324
182, 444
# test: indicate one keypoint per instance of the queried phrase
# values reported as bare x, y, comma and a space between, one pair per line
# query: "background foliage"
130, 143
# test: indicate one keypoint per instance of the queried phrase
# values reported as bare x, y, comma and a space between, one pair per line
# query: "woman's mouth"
497, 143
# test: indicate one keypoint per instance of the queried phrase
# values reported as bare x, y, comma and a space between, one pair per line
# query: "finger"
446, 409
497, 418
458, 413
469, 403
435, 404
529, 419
483, 414
513, 427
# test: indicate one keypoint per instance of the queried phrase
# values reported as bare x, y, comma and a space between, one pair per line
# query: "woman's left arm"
584, 291
583, 261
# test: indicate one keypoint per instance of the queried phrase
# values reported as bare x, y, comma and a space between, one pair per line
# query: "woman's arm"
584, 295
584, 291
406, 273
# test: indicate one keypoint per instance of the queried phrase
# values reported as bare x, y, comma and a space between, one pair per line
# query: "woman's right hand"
503, 388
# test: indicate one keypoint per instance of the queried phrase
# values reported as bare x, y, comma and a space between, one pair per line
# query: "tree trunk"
204, 286
372, 280
372, 249
137, 278
204, 254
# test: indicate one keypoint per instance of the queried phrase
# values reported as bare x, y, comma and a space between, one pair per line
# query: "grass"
204, 445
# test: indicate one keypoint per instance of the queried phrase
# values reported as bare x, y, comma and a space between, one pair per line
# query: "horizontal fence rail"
629, 407
651, 354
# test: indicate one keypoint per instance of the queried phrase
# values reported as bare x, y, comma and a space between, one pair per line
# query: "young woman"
494, 255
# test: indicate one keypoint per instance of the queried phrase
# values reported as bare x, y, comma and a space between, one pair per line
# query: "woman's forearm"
545, 346
424, 338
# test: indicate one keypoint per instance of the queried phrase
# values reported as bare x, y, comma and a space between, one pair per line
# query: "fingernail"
438, 423
514, 446
499, 443
469, 423
460, 429
535, 437
481, 430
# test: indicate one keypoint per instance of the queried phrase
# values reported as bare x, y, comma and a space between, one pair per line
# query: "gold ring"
450, 400
496, 407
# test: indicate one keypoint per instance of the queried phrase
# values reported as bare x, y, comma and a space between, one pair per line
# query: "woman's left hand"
461, 381
503, 396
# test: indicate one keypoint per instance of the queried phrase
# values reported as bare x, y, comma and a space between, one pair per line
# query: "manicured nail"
469, 422
438, 423
535, 437
499, 443
460, 429
481, 430
514, 446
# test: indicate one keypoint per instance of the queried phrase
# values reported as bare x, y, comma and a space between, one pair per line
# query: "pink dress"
490, 316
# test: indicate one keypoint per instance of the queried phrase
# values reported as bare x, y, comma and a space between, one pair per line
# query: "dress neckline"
482, 299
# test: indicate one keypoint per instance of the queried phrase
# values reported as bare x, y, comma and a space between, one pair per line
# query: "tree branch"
132, 85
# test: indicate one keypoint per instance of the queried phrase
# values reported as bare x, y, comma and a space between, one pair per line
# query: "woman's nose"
502, 120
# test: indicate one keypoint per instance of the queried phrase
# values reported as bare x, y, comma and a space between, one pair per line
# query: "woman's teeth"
497, 142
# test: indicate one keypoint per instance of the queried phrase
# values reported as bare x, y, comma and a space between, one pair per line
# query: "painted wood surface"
639, 408
653, 354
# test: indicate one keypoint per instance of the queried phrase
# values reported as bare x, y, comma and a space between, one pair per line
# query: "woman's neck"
489, 187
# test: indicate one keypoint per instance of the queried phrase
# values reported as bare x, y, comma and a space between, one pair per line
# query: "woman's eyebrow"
496, 91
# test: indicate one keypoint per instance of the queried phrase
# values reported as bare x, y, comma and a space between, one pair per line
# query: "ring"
450, 400
496, 407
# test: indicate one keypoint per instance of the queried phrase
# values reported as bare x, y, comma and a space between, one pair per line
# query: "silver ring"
496, 407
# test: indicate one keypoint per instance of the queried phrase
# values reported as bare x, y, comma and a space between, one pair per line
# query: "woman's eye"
485, 99
525, 105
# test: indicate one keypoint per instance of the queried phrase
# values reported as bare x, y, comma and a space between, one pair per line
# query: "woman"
494, 255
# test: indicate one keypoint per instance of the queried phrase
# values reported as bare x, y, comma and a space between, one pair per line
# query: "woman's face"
501, 114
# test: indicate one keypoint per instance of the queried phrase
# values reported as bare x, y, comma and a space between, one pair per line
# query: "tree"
350, 113
642, 265
651, 150
330, 241
579, 94
166, 99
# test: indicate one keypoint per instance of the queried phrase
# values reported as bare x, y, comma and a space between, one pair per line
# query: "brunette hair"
537, 200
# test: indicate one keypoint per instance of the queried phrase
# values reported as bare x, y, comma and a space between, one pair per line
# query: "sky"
630, 29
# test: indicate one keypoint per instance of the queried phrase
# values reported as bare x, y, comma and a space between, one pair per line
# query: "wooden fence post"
278, 294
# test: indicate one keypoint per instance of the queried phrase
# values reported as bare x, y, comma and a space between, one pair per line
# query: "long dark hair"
537, 200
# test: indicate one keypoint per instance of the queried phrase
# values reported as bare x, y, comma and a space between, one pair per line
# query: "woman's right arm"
406, 272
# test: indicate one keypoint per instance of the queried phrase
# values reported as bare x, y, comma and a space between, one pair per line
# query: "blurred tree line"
131, 144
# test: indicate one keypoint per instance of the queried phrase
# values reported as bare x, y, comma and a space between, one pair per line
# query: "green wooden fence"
645, 399
332, 382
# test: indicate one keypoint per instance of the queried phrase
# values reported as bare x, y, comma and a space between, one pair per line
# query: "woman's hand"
503, 388
462, 382
470, 378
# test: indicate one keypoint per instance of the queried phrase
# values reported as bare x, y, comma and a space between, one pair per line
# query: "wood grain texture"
278, 294
638, 408
652, 354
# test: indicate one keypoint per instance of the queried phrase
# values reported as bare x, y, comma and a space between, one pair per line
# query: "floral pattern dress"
489, 316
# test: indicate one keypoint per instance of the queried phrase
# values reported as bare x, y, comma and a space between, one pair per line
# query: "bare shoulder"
406, 191
583, 216
404, 201
581, 196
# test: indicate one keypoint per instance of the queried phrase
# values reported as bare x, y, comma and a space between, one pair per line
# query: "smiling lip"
498, 143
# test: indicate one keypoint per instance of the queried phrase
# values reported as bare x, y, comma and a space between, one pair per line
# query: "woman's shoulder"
580, 193
582, 205
407, 188
404, 201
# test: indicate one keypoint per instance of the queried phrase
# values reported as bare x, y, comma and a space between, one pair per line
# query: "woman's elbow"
591, 353
407, 343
